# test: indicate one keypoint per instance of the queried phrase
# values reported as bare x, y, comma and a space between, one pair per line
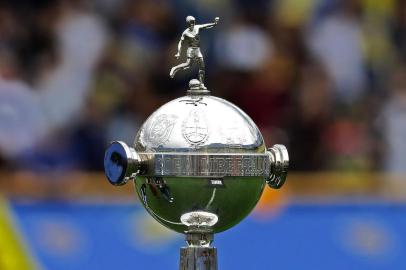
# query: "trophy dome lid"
199, 123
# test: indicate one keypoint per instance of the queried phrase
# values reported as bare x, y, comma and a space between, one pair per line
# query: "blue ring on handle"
115, 163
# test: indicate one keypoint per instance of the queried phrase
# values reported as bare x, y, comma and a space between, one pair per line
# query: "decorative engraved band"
205, 165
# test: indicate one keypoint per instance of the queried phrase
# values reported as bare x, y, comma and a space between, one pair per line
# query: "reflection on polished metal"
198, 220
199, 165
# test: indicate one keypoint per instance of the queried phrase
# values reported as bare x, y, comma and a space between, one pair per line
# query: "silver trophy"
199, 164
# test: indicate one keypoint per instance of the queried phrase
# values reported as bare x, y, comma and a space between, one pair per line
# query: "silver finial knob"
195, 88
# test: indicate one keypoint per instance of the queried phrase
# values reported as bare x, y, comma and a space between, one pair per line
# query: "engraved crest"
233, 133
194, 128
161, 128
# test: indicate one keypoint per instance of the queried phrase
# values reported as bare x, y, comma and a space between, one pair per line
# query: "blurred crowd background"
325, 77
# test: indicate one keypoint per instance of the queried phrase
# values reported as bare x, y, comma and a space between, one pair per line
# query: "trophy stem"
198, 255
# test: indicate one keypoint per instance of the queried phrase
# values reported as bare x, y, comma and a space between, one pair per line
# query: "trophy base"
198, 258
199, 255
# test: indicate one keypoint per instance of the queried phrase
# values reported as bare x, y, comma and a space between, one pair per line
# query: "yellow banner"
13, 254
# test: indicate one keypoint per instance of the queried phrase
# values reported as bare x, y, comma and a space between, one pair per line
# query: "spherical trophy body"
207, 151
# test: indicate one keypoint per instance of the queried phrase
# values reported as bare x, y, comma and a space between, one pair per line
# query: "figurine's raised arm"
210, 25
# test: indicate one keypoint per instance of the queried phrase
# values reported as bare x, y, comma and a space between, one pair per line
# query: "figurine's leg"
201, 71
183, 66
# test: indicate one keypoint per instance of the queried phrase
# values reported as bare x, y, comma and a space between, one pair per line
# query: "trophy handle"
121, 163
279, 160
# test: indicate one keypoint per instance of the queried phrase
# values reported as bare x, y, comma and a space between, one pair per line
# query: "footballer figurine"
191, 38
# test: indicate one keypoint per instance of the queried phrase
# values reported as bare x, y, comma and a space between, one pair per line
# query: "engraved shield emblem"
161, 129
194, 128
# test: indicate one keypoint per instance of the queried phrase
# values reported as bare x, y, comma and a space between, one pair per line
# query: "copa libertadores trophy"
199, 164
